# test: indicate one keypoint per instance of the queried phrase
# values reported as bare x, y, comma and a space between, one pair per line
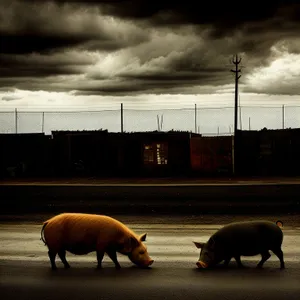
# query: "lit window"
155, 154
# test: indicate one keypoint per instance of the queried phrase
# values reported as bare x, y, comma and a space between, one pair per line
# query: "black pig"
238, 239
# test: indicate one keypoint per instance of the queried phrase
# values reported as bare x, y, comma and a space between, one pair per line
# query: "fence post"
16, 120
195, 118
43, 121
240, 113
233, 140
283, 126
122, 118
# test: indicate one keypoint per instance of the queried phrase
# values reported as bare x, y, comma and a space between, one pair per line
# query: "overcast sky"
146, 53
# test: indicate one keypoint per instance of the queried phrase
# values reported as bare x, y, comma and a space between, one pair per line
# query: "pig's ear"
143, 237
199, 245
129, 244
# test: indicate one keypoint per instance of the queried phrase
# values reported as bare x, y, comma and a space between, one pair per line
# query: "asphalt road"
26, 273
152, 181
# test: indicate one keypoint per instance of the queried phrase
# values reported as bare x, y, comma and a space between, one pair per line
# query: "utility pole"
122, 119
236, 61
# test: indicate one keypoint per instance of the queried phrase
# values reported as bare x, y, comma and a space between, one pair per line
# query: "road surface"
153, 181
26, 273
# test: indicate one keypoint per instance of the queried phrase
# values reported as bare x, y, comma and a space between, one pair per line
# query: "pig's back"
77, 229
81, 222
250, 237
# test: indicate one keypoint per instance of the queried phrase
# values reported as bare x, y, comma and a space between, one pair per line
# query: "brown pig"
84, 233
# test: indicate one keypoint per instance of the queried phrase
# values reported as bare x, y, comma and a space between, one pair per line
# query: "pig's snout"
201, 264
146, 264
151, 261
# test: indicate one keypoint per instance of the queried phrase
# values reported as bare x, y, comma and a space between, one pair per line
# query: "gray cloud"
132, 47
46, 27
223, 15
44, 65
10, 98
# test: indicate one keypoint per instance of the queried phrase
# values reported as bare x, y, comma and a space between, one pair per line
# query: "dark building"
268, 152
25, 155
163, 153
99, 153
80, 153
137, 154
211, 155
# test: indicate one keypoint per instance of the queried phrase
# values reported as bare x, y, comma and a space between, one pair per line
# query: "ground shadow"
270, 268
108, 271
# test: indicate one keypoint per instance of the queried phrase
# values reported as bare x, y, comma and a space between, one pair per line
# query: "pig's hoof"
242, 267
67, 267
118, 267
99, 267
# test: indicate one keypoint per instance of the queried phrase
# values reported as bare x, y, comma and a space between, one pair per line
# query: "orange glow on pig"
84, 233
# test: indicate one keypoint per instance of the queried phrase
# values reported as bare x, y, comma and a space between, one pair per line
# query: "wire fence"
205, 120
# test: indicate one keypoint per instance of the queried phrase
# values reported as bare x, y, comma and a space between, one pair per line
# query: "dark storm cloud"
208, 76
149, 46
183, 61
49, 84
163, 83
40, 39
43, 65
165, 12
44, 26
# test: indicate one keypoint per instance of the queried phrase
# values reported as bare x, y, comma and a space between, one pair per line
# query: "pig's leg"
100, 249
279, 254
100, 255
238, 260
113, 256
52, 256
62, 256
227, 261
264, 257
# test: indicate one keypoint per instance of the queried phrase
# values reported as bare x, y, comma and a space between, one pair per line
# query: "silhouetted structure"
268, 152
211, 155
104, 154
25, 155
99, 153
